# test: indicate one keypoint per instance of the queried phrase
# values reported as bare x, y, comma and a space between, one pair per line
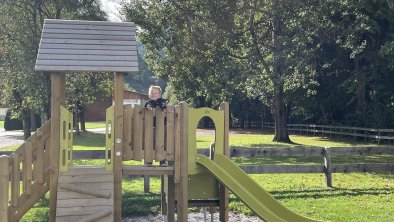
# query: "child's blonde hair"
154, 87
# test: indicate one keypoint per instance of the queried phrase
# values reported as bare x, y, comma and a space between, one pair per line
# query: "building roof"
79, 46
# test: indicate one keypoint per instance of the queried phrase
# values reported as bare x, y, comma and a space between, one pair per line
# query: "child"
155, 100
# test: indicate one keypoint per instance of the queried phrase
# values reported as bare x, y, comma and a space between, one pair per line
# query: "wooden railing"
150, 134
25, 175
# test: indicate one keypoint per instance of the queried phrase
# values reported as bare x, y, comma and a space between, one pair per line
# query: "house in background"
3, 112
96, 110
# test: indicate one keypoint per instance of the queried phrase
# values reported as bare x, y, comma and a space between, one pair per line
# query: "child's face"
154, 94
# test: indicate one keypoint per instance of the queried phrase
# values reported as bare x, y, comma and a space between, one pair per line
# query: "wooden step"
149, 171
85, 194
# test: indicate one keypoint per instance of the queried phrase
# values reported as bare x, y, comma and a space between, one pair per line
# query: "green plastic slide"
259, 200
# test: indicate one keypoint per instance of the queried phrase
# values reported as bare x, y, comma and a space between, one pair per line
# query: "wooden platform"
85, 194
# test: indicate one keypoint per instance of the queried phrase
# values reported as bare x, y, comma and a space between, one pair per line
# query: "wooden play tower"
94, 193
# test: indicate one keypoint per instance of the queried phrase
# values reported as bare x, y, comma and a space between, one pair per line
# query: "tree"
23, 89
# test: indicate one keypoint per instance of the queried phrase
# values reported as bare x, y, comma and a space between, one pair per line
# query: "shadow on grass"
326, 193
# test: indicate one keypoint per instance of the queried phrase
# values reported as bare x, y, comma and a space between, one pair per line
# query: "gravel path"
196, 217
9, 138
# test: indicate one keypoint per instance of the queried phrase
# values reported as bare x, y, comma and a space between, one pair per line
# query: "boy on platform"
154, 101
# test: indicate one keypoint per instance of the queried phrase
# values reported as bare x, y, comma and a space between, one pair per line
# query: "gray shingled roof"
78, 46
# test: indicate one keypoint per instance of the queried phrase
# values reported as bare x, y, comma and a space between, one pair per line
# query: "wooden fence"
25, 175
326, 154
368, 134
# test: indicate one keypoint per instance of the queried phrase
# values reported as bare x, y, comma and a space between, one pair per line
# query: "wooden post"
184, 177
57, 99
146, 183
118, 126
223, 192
170, 199
4, 184
327, 166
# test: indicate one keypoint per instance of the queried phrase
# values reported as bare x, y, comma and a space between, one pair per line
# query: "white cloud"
111, 7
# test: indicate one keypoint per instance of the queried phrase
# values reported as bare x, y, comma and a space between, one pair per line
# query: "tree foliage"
22, 89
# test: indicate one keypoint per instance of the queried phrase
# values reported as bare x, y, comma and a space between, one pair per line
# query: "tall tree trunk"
82, 120
281, 133
33, 121
361, 92
26, 124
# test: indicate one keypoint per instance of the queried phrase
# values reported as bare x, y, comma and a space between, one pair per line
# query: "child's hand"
149, 107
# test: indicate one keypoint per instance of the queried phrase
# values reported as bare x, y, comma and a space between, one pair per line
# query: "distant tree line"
304, 61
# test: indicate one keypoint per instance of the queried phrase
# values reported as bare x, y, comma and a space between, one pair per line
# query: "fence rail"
326, 153
370, 134
25, 175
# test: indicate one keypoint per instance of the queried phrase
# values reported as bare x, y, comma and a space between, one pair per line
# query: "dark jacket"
156, 103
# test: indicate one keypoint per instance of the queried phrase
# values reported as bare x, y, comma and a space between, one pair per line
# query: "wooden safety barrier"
149, 134
28, 171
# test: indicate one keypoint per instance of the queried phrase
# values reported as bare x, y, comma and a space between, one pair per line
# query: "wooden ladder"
85, 194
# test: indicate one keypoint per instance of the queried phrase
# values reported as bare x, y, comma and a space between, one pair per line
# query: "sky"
111, 8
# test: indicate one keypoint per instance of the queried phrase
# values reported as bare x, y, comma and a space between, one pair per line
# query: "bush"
12, 124
16, 124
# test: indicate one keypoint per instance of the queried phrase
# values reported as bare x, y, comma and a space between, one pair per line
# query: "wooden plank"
150, 171
88, 42
118, 145
64, 203
15, 180
95, 217
63, 194
4, 186
27, 166
84, 36
86, 22
170, 135
127, 132
87, 170
64, 179
57, 99
90, 26
274, 168
86, 68
132, 52
363, 151
87, 63
182, 205
177, 164
89, 32
362, 167
87, 57
138, 133
223, 190
79, 210
148, 135
159, 135
266, 152
108, 218
87, 47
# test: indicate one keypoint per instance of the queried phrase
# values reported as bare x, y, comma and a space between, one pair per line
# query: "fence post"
327, 166
4, 183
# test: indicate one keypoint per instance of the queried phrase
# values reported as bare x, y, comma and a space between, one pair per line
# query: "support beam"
223, 190
184, 177
58, 98
118, 126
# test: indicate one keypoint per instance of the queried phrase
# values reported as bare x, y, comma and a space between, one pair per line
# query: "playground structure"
94, 193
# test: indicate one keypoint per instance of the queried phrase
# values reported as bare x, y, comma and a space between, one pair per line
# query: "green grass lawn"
93, 125
1, 124
355, 196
